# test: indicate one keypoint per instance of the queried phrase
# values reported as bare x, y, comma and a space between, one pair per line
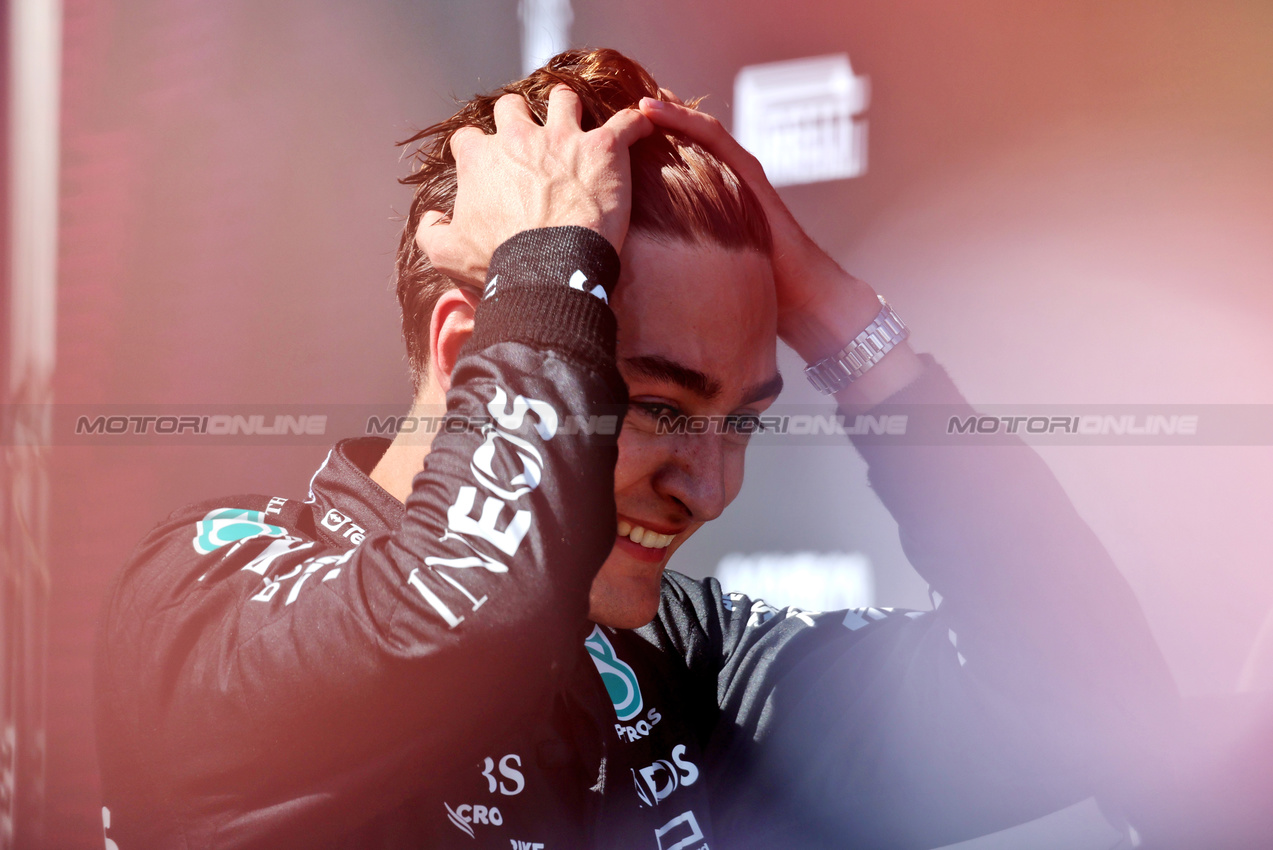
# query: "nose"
695, 472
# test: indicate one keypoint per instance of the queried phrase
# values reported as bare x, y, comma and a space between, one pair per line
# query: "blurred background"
1069, 201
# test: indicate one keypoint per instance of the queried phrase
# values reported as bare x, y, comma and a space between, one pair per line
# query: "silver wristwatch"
832, 374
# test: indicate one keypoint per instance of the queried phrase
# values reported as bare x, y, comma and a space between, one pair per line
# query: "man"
471, 640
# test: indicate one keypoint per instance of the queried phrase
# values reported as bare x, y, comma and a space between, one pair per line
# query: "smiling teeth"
644, 536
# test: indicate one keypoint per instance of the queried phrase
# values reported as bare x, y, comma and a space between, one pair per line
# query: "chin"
624, 603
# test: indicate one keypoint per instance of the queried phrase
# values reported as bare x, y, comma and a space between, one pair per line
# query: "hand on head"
528, 175
819, 304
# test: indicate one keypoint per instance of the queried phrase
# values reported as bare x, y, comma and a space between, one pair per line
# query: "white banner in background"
798, 118
811, 580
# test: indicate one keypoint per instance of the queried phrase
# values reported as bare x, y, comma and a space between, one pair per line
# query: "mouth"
643, 543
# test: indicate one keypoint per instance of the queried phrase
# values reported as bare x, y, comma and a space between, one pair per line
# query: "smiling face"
697, 337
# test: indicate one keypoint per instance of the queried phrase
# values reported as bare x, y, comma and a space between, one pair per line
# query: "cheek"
638, 458
733, 473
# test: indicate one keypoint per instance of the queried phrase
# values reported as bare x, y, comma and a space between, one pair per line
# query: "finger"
432, 233
628, 125
699, 126
462, 139
669, 96
710, 134
509, 109
705, 130
565, 109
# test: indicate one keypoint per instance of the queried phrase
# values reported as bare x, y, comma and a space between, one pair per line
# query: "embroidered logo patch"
620, 680
228, 525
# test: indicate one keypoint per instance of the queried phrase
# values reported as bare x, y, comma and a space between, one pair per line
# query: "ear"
449, 328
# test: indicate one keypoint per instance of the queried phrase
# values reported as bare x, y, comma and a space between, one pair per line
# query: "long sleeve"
279, 689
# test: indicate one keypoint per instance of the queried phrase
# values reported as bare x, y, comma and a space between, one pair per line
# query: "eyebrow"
701, 384
765, 389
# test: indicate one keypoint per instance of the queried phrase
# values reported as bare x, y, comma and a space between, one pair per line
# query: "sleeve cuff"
549, 288
576, 257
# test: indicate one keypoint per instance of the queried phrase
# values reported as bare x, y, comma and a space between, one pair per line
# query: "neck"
404, 458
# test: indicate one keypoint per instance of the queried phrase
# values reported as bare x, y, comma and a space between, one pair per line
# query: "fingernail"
651, 104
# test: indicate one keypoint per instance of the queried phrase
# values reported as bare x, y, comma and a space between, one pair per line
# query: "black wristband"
542, 289
574, 256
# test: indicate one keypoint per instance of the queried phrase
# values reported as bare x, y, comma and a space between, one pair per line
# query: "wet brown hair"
680, 192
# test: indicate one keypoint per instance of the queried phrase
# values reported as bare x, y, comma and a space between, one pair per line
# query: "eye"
739, 427
656, 417
655, 409
744, 424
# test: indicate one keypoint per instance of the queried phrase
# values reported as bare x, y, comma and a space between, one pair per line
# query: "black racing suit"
347, 671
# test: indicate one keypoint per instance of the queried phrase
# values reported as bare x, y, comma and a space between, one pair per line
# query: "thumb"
432, 234
446, 250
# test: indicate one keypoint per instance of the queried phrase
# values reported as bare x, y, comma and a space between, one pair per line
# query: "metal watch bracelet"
832, 374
